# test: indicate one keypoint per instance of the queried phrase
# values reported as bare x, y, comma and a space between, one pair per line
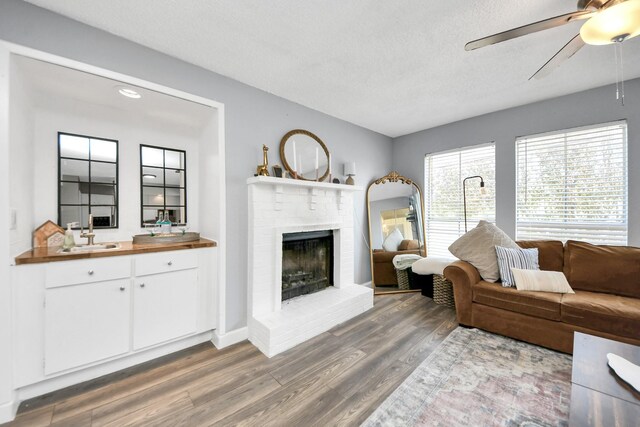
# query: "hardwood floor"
337, 378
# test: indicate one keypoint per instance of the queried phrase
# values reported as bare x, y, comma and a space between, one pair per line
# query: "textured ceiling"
395, 66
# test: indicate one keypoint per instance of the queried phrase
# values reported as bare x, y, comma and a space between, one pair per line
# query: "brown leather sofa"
606, 281
384, 272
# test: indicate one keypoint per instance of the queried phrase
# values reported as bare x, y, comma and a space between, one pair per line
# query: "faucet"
90, 235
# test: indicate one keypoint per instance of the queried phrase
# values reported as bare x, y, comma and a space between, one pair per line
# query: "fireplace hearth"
307, 262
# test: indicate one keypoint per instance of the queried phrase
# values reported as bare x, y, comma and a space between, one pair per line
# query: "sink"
90, 248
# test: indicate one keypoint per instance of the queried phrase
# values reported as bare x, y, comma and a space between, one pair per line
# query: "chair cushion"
550, 253
539, 304
408, 244
603, 268
609, 313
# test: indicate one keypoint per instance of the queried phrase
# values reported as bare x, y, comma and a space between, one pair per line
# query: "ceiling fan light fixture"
614, 24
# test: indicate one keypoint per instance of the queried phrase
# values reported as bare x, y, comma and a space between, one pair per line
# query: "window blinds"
573, 185
444, 214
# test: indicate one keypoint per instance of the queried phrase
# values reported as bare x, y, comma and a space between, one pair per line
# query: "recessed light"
148, 175
128, 92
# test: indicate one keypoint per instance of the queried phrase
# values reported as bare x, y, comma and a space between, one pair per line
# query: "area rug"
475, 378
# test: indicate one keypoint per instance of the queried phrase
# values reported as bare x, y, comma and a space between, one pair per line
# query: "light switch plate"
14, 219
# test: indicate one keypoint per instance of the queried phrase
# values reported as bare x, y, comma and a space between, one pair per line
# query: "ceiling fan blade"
528, 29
563, 54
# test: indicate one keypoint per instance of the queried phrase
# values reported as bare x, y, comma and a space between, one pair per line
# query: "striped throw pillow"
508, 258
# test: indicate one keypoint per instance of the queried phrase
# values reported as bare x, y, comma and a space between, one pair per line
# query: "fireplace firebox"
307, 262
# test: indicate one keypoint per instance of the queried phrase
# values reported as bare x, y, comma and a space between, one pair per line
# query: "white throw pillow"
477, 247
541, 280
392, 241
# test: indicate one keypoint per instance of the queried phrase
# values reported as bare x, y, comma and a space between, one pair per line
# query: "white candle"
295, 165
329, 164
300, 163
316, 158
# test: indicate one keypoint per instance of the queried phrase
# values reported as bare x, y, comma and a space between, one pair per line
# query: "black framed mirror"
87, 180
163, 184
305, 156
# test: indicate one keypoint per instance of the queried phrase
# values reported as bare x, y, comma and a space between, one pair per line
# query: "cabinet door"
86, 323
165, 306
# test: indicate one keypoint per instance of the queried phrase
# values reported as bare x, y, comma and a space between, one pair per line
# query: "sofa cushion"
477, 247
550, 253
539, 304
509, 258
609, 269
541, 281
613, 314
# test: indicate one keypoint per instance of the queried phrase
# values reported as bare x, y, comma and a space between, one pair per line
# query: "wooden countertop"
40, 255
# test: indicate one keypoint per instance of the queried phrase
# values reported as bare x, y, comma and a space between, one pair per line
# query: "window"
444, 173
573, 185
163, 184
87, 180
397, 219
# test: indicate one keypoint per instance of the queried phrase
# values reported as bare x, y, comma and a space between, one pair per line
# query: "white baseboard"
230, 338
367, 284
8, 411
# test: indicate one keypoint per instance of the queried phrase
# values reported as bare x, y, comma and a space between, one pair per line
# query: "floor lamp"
464, 195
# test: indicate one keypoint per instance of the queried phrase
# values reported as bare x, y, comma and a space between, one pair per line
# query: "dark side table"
598, 396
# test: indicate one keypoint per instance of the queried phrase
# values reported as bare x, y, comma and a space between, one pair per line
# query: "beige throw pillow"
540, 280
477, 247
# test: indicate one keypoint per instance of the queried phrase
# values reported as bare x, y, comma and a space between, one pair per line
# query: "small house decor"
47, 235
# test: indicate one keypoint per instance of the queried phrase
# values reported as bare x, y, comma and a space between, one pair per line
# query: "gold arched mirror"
304, 155
396, 227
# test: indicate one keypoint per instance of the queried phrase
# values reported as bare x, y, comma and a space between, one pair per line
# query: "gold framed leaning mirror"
396, 227
304, 155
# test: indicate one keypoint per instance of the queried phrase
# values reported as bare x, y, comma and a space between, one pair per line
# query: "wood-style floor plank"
336, 378
39, 416
221, 406
147, 378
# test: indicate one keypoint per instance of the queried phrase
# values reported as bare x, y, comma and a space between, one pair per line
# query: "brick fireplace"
279, 208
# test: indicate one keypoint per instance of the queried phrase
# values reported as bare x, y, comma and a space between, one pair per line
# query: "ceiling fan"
607, 21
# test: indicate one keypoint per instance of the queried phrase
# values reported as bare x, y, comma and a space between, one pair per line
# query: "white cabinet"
85, 323
165, 306
164, 262
87, 270
79, 319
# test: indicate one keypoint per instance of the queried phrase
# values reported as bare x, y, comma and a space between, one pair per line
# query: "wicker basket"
403, 279
443, 291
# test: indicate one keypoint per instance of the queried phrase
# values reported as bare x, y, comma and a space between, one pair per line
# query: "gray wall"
253, 118
584, 108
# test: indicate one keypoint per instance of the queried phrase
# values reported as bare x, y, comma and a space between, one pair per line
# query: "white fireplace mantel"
300, 183
278, 206
313, 189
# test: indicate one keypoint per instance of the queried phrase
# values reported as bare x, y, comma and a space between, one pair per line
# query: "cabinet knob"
122, 288
170, 263
142, 285
90, 272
